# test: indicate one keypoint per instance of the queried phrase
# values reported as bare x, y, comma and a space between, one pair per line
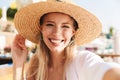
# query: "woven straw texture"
27, 20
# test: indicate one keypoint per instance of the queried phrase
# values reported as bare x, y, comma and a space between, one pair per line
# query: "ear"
40, 28
74, 32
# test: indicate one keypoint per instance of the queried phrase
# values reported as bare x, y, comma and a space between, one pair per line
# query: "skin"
57, 31
19, 51
112, 74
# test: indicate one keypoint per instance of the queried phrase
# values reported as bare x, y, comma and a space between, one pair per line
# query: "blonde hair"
38, 66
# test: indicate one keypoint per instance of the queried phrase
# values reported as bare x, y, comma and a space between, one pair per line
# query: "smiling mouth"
56, 41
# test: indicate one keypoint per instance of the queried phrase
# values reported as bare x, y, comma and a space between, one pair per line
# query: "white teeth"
56, 41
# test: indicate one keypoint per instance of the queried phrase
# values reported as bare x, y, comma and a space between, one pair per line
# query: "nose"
57, 30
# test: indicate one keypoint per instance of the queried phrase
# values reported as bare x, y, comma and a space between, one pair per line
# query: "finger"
19, 39
19, 42
22, 46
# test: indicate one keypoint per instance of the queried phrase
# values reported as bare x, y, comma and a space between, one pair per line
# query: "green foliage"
11, 13
0, 12
111, 31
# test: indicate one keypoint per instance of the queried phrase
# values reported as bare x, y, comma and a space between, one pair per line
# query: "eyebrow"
62, 23
50, 21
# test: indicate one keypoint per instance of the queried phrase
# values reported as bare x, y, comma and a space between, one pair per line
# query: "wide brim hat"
27, 20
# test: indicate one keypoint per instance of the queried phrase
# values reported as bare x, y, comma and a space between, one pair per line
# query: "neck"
57, 59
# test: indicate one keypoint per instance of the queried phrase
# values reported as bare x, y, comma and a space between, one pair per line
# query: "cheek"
69, 34
45, 32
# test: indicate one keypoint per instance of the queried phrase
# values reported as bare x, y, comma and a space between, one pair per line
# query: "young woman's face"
57, 30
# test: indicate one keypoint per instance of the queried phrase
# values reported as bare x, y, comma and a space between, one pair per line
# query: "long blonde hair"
38, 67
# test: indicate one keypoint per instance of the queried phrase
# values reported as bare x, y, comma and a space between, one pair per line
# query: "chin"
58, 50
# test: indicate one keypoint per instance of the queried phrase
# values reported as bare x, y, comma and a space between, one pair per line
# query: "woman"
58, 28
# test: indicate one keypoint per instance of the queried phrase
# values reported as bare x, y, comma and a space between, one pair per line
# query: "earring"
72, 40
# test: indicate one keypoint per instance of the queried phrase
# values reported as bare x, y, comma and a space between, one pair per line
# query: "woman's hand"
19, 51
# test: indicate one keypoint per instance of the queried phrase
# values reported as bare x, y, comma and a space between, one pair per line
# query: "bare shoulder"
112, 74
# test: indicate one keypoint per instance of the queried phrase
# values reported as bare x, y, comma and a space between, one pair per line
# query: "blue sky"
108, 11
5, 3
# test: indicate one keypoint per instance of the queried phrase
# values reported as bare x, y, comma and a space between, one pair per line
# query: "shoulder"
89, 63
89, 66
87, 56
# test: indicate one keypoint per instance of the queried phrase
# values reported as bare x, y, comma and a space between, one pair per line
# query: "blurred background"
107, 45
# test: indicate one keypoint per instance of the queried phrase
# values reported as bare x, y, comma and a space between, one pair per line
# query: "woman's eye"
49, 25
66, 27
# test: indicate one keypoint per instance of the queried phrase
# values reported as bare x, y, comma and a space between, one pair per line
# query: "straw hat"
27, 20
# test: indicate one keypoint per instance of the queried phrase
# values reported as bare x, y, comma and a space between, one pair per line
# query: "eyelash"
49, 25
66, 27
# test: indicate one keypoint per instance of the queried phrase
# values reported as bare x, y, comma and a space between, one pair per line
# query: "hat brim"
27, 20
